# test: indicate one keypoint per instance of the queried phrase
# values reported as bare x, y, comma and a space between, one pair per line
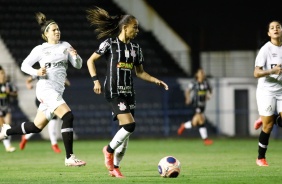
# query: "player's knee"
68, 120
129, 127
34, 129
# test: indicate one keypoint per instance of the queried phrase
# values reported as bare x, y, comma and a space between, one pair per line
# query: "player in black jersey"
6, 90
197, 94
122, 57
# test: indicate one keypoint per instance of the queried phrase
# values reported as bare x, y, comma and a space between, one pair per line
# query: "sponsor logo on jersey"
56, 65
125, 65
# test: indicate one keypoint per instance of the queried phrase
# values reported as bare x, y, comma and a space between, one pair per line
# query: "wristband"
95, 78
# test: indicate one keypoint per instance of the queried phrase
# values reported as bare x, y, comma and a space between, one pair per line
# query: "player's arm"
140, 73
259, 72
93, 73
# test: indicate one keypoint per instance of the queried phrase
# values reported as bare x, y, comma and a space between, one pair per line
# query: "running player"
268, 95
6, 90
53, 57
122, 56
197, 94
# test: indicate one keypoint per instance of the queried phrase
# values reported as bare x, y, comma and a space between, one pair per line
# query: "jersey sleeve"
140, 58
30, 60
76, 62
104, 47
261, 57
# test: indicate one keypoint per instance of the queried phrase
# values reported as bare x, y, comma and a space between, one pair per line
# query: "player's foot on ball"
257, 124
116, 173
261, 162
109, 159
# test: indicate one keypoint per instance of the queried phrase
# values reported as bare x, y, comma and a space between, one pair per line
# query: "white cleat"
10, 149
72, 161
4, 129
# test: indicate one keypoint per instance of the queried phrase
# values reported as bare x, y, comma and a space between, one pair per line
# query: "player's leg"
63, 111
52, 130
200, 121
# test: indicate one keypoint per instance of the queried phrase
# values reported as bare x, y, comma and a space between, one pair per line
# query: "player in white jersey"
53, 57
269, 88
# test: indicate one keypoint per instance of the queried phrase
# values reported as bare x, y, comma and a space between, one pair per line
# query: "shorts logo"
268, 109
122, 107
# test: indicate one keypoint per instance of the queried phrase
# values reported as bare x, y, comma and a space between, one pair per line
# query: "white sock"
203, 132
119, 138
52, 131
120, 152
188, 124
28, 136
7, 142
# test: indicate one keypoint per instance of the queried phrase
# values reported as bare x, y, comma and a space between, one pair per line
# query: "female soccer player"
268, 95
122, 56
6, 90
198, 93
53, 57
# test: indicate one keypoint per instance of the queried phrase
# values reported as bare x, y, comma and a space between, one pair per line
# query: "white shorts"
268, 103
50, 100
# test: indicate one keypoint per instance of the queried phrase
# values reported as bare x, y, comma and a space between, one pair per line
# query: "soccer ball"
169, 167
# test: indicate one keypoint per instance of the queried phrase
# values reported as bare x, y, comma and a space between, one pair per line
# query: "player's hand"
161, 83
42, 71
72, 52
97, 87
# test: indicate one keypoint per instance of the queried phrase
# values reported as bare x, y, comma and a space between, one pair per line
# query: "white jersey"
54, 57
269, 56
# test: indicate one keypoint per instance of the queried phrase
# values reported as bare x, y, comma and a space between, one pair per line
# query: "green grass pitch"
227, 161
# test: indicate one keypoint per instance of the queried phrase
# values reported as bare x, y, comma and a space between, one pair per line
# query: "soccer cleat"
261, 162
116, 173
109, 159
181, 129
56, 148
208, 142
10, 149
257, 124
23, 142
4, 129
72, 161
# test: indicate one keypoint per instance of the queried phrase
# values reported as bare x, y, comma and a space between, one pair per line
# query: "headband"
48, 26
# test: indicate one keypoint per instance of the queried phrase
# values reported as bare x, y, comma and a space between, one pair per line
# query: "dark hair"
106, 25
1, 67
44, 24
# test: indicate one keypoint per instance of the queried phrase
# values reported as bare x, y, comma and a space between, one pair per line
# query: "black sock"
67, 133
23, 128
263, 143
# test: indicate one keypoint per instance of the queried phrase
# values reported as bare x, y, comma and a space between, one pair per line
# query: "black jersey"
5, 88
121, 59
199, 92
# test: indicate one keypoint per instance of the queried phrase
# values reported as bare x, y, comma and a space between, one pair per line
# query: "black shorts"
122, 105
4, 110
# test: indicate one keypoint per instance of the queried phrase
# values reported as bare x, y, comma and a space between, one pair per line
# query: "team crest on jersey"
133, 53
122, 107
